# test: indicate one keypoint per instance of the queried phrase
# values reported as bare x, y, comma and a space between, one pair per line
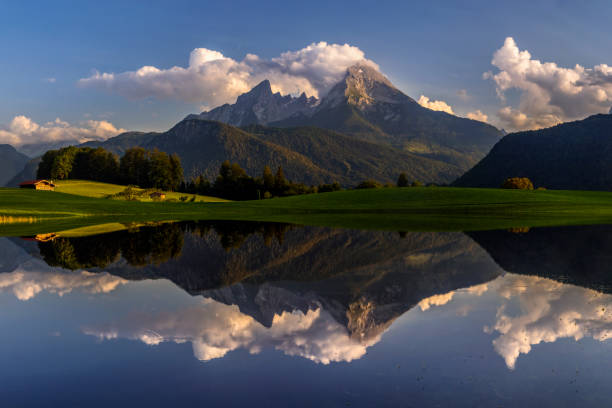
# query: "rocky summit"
259, 106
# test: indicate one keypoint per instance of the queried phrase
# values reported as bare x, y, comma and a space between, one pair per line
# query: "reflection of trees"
149, 245
232, 234
80, 253
153, 245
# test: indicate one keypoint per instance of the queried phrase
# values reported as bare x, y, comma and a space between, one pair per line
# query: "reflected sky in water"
436, 321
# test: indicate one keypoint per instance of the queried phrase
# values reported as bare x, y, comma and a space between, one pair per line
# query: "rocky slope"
309, 155
258, 106
365, 104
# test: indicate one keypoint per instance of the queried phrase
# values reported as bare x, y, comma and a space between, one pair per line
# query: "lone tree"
402, 180
518, 183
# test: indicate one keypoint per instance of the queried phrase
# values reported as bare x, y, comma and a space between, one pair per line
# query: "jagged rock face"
362, 86
259, 106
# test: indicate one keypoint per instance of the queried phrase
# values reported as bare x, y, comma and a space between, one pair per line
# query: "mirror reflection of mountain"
578, 255
27, 276
364, 279
328, 294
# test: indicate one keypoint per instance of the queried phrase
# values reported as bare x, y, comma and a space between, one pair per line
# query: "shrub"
402, 180
368, 184
518, 183
416, 183
326, 188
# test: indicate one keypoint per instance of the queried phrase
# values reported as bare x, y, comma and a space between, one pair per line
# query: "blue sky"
428, 49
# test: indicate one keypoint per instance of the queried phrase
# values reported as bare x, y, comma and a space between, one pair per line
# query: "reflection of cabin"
41, 237
38, 185
157, 196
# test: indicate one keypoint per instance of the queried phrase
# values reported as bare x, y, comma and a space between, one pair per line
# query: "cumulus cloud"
27, 284
214, 329
212, 79
23, 130
477, 115
549, 94
549, 310
435, 105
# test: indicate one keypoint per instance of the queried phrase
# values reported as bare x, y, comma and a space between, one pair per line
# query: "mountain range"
364, 128
367, 106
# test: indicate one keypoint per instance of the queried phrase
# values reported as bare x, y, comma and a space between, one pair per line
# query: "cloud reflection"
549, 310
214, 329
27, 284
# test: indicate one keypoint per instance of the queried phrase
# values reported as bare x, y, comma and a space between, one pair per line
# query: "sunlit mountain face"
272, 302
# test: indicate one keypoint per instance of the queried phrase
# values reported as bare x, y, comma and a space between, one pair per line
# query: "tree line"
138, 166
159, 170
233, 183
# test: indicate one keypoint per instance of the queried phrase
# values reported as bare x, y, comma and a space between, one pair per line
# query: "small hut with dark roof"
38, 185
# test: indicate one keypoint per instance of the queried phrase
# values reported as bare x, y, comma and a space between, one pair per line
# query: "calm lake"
253, 314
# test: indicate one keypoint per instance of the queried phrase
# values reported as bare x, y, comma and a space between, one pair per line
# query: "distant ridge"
11, 162
310, 155
574, 156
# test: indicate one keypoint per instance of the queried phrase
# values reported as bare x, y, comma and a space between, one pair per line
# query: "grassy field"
28, 212
101, 190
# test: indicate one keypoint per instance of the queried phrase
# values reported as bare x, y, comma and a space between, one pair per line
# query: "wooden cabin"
38, 185
157, 196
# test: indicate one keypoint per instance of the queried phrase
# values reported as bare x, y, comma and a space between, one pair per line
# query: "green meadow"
78, 207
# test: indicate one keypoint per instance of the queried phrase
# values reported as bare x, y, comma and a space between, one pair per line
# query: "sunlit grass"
101, 190
10, 219
400, 209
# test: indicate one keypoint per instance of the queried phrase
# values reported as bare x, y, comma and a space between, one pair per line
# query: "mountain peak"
258, 106
367, 73
261, 90
364, 85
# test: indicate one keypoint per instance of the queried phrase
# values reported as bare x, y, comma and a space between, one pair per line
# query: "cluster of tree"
234, 183
138, 166
79, 163
402, 181
151, 169
518, 183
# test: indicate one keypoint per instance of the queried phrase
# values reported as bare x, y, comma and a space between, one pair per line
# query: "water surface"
249, 314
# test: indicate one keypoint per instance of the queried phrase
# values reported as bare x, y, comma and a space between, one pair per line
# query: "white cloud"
549, 310
214, 329
212, 79
549, 94
477, 115
27, 284
23, 130
435, 105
